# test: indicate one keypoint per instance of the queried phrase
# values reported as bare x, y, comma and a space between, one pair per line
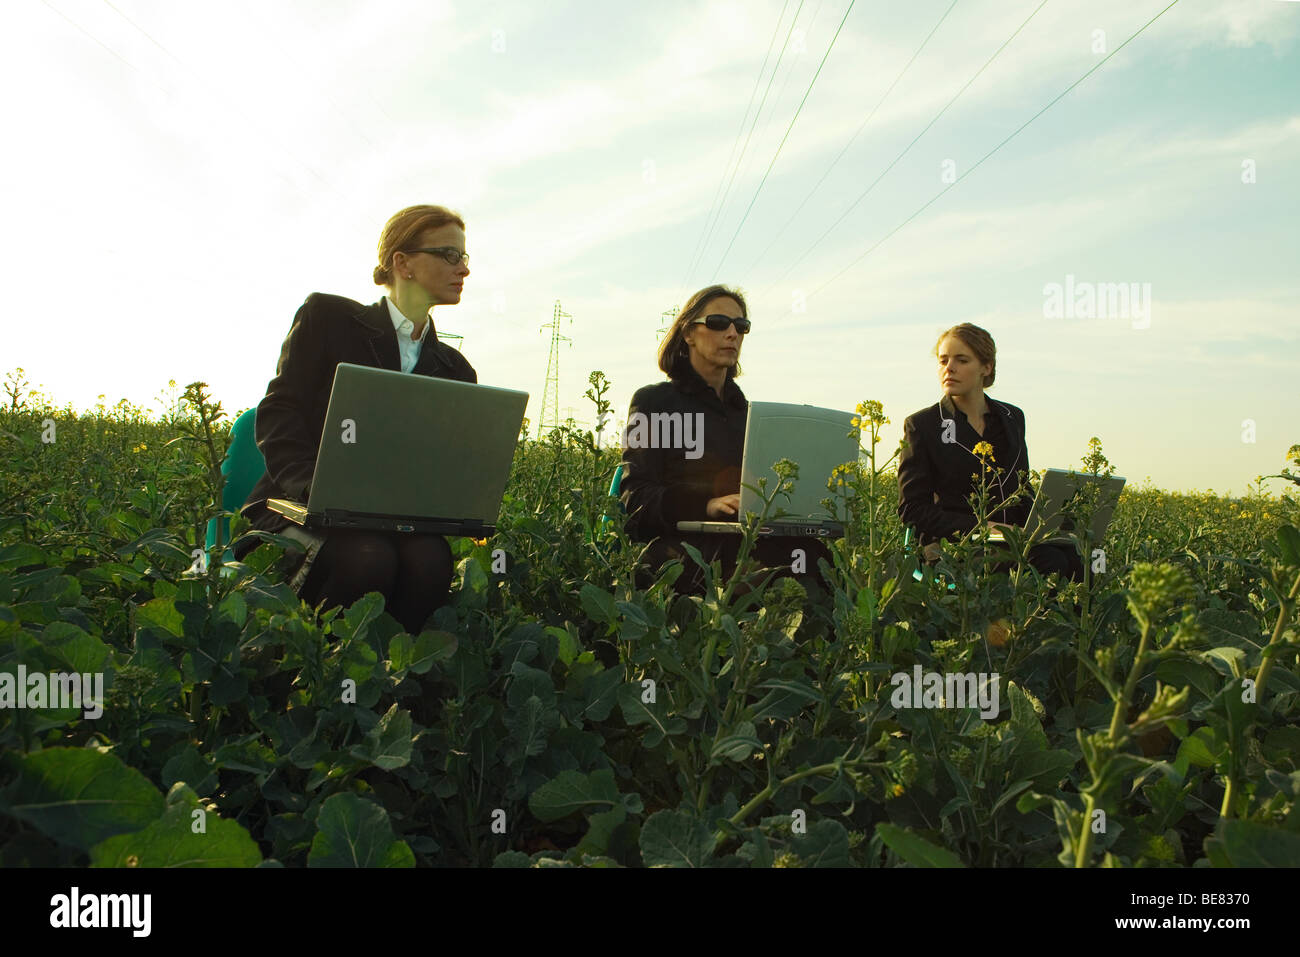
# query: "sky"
178, 177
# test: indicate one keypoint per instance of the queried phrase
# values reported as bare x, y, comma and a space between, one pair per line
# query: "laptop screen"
415, 446
818, 440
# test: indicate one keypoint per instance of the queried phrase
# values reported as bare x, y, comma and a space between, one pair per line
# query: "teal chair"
243, 467
614, 485
907, 550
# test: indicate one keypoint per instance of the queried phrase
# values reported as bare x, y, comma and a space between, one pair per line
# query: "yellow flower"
983, 450
142, 447
872, 411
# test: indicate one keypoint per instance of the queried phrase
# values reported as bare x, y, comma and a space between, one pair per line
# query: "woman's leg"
782, 552
1062, 559
423, 579
351, 563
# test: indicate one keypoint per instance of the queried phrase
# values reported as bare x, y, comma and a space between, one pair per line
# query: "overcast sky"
179, 176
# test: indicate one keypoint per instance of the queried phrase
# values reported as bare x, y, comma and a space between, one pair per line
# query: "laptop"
819, 440
1057, 492
411, 453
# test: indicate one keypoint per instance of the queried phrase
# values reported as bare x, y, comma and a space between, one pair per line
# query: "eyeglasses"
719, 323
448, 254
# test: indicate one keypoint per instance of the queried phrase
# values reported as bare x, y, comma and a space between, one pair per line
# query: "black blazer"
327, 330
662, 487
934, 477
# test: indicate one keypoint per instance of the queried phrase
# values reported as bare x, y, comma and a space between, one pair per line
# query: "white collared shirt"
408, 348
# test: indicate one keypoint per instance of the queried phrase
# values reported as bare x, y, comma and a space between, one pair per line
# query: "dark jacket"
934, 476
327, 330
662, 486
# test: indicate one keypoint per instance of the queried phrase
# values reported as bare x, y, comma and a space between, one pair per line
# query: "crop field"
553, 715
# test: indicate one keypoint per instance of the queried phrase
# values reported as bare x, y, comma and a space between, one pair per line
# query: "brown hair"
674, 348
977, 341
404, 228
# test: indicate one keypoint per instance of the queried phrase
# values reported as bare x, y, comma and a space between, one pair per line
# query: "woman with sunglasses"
696, 478
422, 263
938, 461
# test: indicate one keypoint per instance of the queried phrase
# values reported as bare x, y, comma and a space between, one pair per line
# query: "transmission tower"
550, 413
669, 316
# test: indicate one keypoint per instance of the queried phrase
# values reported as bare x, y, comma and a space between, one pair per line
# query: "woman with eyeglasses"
684, 442
422, 264
936, 466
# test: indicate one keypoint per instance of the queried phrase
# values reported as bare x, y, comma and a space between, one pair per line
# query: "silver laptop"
1057, 491
411, 453
818, 440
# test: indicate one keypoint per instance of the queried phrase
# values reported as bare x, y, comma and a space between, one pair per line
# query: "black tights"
412, 572
1063, 559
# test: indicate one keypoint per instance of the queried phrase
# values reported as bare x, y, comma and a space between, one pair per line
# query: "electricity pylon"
669, 316
550, 412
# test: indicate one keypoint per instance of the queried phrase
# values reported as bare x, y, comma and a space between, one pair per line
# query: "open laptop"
1056, 492
818, 440
411, 453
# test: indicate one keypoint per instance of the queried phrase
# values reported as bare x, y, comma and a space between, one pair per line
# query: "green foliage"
354, 832
80, 797
184, 836
554, 715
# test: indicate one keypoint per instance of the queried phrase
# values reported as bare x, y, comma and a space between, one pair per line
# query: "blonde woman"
421, 263
955, 439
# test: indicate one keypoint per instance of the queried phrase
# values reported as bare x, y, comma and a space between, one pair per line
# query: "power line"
981, 160
779, 146
354, 127
734, 143
852, 206
170, 91
778, 233
96, 39
359, 130
247, 119
753, 123
785, 85
311, 13
740, 157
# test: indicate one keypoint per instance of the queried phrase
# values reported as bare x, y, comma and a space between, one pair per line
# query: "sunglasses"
719, 323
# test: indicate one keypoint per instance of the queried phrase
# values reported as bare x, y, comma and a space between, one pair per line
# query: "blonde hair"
977, 341
403, 229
